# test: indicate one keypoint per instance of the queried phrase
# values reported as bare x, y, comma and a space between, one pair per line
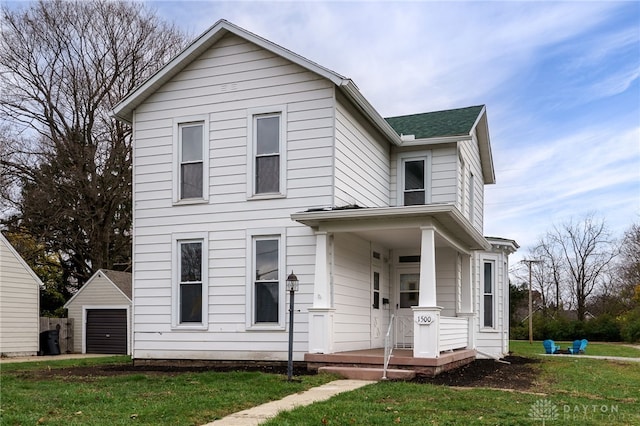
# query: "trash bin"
49, 342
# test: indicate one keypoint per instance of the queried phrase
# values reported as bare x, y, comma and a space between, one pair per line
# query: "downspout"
494, 357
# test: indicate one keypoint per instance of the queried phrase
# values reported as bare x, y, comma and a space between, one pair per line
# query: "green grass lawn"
523, 348
143, 398
580, 390
569, 390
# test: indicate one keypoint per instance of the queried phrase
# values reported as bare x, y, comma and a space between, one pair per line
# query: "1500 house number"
424, 319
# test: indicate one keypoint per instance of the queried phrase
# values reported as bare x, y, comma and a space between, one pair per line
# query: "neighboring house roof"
120, 280
452, 122
24, 264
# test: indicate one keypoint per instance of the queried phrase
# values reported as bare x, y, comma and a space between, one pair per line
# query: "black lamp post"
292, 286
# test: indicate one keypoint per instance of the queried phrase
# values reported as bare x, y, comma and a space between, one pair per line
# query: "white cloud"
411, 57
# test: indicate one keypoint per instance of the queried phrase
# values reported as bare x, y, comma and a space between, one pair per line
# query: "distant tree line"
65, 180
585, 284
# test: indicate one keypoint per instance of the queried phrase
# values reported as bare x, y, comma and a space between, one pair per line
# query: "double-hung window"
191, 157
267, 153
265, 304
472, 191
190, 288
267, 283
191, 161
414, 185
414, 171
488, 293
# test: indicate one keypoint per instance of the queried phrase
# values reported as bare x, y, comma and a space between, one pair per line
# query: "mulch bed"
519, 374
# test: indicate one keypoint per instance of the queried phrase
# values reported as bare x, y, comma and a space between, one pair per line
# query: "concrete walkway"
610, 358
262, 413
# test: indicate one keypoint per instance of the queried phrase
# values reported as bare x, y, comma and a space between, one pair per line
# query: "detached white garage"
101, 310
19, 304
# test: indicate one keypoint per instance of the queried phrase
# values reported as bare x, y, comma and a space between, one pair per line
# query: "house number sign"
424, 319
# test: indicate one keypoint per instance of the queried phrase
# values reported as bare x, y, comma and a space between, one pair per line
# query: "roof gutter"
350, 89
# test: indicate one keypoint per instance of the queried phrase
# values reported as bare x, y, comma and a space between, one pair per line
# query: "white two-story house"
252, 162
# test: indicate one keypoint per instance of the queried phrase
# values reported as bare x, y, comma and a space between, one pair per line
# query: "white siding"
443, 178
361, 161
446, 281
19, 305
443, 175
351, 283
495, 341
471, 156
224, 84
97, 292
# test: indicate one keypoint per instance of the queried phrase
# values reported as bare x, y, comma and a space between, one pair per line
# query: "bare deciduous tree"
64, 66
581, 253
629, 265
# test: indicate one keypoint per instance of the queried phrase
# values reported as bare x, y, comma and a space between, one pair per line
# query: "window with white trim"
267, 154
190, 288
488, 294
191, 161
267, 283
191, 157
414, 183
265, 308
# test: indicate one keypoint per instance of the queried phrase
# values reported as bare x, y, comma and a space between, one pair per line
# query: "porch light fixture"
292, 286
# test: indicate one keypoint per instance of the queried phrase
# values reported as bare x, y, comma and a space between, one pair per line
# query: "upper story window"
266, 171
414, 185
191, 159
414, 180
471, 189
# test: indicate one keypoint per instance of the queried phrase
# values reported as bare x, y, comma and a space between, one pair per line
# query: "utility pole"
530, 301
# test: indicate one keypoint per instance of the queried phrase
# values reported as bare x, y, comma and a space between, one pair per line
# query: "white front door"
407, 295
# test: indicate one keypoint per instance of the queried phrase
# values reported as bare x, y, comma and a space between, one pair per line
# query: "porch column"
321, 314
427, 268
426, 316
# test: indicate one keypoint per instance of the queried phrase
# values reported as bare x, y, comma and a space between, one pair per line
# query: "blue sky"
561, 81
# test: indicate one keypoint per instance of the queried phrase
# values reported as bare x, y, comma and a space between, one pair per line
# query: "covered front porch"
420, 296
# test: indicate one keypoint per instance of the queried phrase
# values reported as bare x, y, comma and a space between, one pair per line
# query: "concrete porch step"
362, 373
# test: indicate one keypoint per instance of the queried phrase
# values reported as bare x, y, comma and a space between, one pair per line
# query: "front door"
407, 295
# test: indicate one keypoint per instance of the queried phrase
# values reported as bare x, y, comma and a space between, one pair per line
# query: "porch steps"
365, 373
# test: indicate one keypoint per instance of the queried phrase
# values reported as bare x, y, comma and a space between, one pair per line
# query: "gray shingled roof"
452, 122
122, 280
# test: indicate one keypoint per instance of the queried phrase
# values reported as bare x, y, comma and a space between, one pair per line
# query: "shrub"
630, 326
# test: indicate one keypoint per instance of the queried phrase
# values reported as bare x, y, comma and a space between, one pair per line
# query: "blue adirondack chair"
576, 347
579, 346
583, 346
550, 347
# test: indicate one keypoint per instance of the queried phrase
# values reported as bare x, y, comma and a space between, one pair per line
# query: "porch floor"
402, 359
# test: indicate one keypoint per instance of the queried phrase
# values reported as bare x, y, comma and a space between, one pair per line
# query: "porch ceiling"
399, 227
